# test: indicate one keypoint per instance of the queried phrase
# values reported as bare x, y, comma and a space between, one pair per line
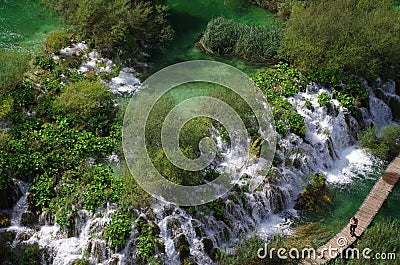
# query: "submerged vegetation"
251, 42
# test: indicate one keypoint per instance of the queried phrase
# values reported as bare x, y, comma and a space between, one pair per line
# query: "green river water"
24, 23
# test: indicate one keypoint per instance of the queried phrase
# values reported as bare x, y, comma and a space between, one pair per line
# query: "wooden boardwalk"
365, 214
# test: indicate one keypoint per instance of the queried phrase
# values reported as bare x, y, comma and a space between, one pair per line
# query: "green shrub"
84, 100
384, 145
279, 82
324, 99
13, 65
32, 255
359, 37
252, 43
118, 230
56, 41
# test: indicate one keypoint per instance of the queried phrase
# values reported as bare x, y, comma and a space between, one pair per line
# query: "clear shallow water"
189, 19
24, 23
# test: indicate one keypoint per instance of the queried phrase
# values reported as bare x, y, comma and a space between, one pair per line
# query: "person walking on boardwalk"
353, 225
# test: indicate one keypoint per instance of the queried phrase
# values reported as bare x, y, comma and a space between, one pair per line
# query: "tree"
358, 37
117, 25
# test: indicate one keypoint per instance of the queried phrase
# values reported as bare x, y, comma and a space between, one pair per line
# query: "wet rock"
150, 214
10, 194
47, 218
227, 234
160, 245
207, 245
394, 105
182, 246
215, 254
155, 230
28, 218
379, 94
198, 231
5, 220
277, 198
114, 261
173, 224
7, 237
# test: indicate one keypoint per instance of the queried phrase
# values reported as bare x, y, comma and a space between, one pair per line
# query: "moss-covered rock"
28, 218
207, 245
182, 246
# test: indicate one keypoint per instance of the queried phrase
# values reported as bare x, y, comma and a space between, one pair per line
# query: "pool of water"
189, 19
24, 23
347, 198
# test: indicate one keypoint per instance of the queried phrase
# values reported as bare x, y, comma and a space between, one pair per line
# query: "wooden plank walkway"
365, 214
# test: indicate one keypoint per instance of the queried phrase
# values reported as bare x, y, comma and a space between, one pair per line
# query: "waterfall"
329, 147
22, 204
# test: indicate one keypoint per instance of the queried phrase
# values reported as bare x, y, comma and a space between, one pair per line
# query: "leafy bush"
324, 99
279, 82
13, 65
384, 145
56, 41
118, 230
250, 42
32, 255
84, 100
359, 37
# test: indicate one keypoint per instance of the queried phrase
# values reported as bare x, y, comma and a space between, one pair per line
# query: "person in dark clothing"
353, 225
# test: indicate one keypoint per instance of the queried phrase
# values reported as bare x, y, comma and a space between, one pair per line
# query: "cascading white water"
22, 204
329, 147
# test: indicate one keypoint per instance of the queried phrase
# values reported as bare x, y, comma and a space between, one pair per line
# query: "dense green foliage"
250, 42
118, 229
359, 37
279, 82
85, 99
13, 65
116, 26
324, 99
59, 134
384, 144
56, 41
